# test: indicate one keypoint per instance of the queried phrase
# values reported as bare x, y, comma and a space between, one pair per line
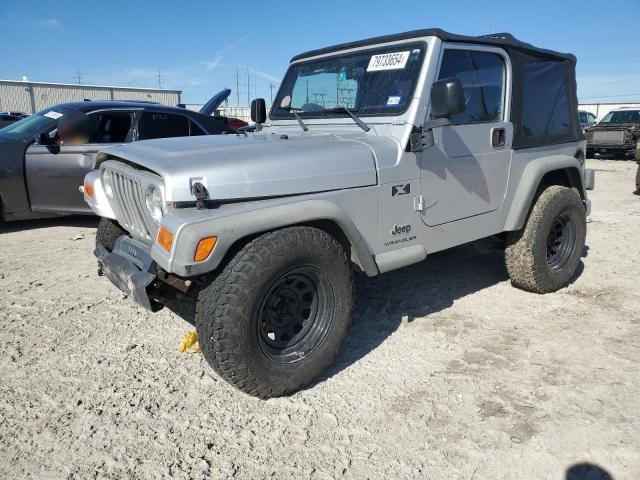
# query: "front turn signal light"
88, 190
204, 248
165, 238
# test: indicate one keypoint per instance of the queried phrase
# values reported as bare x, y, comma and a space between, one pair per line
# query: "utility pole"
238, 87
159, 80
271, 87
248, 88
78, 75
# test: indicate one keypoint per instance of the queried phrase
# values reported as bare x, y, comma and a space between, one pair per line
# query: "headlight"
153, 199
107, 183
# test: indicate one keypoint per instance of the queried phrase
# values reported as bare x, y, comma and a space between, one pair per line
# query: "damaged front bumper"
130, 268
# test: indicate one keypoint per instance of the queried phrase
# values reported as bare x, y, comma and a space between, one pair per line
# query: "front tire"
544, 255
108, 232
275, 317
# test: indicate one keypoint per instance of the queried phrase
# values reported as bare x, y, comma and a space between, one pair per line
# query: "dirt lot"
448, 372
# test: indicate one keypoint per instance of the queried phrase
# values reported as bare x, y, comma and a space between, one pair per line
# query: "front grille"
614, 136
129, 205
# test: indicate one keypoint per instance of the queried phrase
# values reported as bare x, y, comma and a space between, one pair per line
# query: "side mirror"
42, 139
258, 110
447, 98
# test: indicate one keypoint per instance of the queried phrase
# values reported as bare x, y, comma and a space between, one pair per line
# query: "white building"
31, 97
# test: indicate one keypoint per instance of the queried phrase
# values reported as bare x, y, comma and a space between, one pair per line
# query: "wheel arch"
235, 231
562, 170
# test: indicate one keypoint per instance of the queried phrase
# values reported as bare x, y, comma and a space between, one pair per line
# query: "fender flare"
235, 227
530, 181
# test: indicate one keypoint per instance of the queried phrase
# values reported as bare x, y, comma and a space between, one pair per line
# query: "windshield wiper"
351, 113
295, 114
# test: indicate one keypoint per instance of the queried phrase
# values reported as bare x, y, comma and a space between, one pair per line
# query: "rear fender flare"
530, 180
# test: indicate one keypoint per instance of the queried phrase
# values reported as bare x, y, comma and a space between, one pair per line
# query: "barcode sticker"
388, 61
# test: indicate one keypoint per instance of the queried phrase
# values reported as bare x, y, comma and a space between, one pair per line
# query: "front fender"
529, 182
245, 220
99, 203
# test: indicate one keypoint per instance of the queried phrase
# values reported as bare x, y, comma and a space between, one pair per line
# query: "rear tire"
275, 317
544, 255
108, 232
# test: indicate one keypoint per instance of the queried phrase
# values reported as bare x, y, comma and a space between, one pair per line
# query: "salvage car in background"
7, 118
40, 175
616, 134
586, 118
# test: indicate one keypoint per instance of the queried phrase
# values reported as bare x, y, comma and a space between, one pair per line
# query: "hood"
212, 105
261, 165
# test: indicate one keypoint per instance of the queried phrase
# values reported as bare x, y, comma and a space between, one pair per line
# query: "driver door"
466, 172
54, 173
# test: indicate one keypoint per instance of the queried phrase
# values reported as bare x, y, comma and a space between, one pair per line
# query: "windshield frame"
289, 78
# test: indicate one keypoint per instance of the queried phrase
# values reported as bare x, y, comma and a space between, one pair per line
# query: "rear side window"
162, 125
547, 111
111, 127
583, 117
483, 77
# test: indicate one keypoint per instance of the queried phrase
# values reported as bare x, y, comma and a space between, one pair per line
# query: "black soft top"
544, 99
504, 40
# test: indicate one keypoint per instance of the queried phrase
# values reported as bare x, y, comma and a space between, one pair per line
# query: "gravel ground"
448, 372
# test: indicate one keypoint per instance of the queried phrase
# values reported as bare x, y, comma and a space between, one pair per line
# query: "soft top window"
548, 107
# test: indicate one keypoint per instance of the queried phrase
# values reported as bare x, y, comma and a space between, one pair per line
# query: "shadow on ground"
382, 303
587, 471
23, 225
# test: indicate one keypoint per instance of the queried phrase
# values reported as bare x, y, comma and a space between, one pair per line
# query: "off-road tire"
527, 251
108, 232
230, 311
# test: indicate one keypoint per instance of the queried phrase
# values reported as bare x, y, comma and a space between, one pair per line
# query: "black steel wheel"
294, 315
561, 242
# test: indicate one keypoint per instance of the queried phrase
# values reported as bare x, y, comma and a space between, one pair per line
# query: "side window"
195, 129
483, 77
547, 111
592, 118
583, 117
162, 125
111, 127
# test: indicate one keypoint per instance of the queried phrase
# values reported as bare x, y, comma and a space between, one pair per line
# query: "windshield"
34, 124
622, 116
378, 81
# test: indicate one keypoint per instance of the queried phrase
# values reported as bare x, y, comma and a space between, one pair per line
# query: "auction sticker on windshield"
53, 114
388, 61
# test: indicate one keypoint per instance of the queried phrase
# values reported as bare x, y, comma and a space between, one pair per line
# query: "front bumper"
129, 276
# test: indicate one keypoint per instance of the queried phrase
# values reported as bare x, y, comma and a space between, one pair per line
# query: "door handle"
498, 137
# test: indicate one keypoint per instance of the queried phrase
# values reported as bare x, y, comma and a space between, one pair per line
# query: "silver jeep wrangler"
375, 154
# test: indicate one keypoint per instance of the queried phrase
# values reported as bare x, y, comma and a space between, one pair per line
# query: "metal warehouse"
30, 97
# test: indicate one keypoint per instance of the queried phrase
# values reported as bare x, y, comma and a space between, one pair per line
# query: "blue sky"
199, 45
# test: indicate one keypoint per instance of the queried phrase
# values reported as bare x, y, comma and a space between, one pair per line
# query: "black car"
7, 118
40, 173
617, 134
